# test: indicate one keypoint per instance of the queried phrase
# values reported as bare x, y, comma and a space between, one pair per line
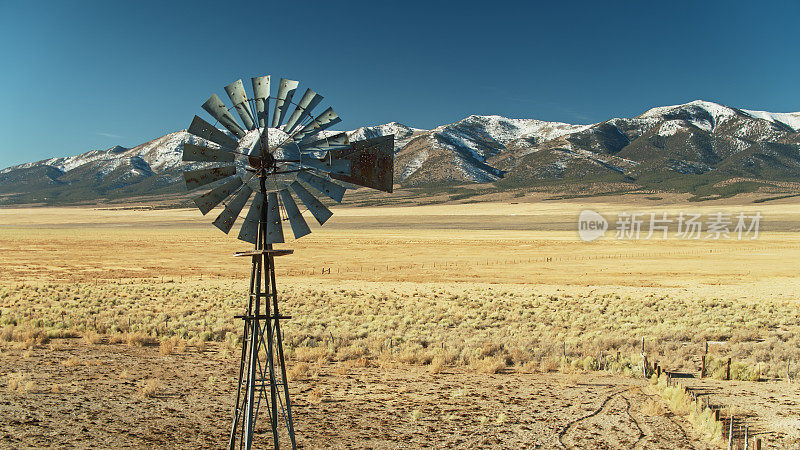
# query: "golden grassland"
435, 296
495, 285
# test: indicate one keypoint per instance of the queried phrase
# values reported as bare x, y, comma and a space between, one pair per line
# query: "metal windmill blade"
205, 130
219, 111
228, 215
298, 224
249, 230
201, 177
286, 90
330, 189
214, 197
309, 101
238, 96
327, 119
334, 142
320, 211
274, 228
261, 98
199, 153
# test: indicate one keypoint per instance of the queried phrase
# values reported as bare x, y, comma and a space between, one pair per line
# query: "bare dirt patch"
100, 401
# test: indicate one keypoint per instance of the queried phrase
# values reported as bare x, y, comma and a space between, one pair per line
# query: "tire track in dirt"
617, 420
603, 405
672, 420
681, 429
635, 422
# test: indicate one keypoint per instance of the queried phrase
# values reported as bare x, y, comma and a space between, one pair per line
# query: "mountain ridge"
677, 147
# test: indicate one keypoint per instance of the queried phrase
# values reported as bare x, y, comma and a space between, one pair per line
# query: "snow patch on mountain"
164, 153
790, 119
64, 163
457, 142
670, 127
504, 130
412, 166
709, 115
402, 133
702, 114
470, 173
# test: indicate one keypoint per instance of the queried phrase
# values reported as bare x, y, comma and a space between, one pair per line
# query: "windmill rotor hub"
267, 163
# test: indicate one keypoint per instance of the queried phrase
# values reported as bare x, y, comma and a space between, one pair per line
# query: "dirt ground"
86, 395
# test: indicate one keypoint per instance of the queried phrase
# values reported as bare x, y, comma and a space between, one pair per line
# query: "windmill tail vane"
276, 151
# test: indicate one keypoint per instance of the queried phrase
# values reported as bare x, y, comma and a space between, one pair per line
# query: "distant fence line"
354, 268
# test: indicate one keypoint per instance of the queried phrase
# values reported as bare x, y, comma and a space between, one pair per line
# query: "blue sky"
83, 75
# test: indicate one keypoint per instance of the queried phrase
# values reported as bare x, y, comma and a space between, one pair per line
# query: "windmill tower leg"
259, 372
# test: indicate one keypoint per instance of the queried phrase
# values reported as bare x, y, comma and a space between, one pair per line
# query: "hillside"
700, 147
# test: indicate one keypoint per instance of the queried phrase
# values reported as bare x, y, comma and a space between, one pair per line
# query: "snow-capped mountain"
669, 147
460, 152
680, 147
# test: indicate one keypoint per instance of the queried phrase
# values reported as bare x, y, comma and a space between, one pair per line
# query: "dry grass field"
469, 325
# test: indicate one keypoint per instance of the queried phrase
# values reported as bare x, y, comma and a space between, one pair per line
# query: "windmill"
273, 159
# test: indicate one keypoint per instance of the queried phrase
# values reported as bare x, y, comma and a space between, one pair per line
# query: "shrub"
490, 365
350, 352
91, 337
172, 345
653, 408
72, 362
437, 364
138, 339
151, 388
315, 396
311, 354
298, 371
20, 382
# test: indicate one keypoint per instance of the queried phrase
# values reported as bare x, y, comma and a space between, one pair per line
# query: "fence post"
788, 361
730, 434
644, 360
703, 366
705, 355
728, 370
739, 437
746, 438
